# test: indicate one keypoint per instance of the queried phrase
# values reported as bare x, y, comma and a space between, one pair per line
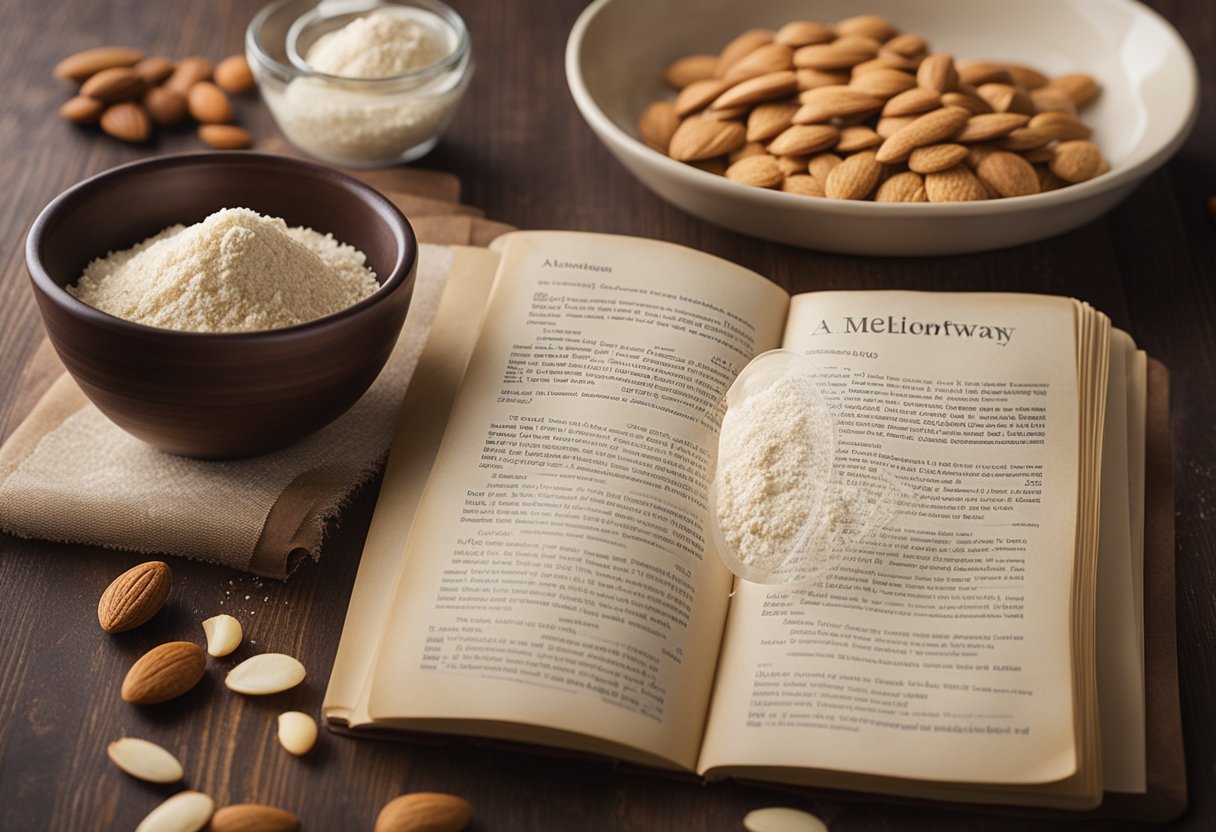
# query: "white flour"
378, 45
774, 460
236, 271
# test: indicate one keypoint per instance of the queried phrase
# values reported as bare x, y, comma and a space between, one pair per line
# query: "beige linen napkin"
68, 474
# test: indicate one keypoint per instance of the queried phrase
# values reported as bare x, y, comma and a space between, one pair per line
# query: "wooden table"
526, 157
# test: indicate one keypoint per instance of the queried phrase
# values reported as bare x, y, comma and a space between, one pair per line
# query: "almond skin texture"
208, 103
937, 73
164, 673
154, 70
801, 139
902, 187
823, 103
883, 83
867, 25
165, 105
843, 53
768, 120
821, 164
930, 128
854, 178
233, 75
114, 85
253, 817
958, 184
134, 596
989, 126
683, 71
1060, 125
802, 185
83, 65
913, 102
975, 73
127, 122
697, 95
697, 139
82, 110
758, 171
756, 90
658, 124
424, 812
804, 33
1077, 161
1008, 174
935, 157
734, 51
853, 139
772, 57
189, 72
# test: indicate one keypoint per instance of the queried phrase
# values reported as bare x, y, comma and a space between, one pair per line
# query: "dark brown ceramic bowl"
226, 395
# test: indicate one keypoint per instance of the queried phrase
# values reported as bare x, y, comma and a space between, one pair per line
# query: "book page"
938, 648
559, 575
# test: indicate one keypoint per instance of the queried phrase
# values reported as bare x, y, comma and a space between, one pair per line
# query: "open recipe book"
540, 568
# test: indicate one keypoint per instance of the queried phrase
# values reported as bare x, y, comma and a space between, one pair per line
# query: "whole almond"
186, 811
977, 153
189, 71
883, 83
886, 60
804, 33
821, 164
208, 103
1052, 100
934, 157
114, 85
697, 139
854, 178
749, 149
937, 73
165, 105
757, 90
767, 120
154, 70
1077, 161
683, 71
144, 760
127, 122
767, 59
912, 102
759, 171
1023, 138
264, 674
956, 184
792, 165
743, 44
657, 124
824, 103
908, 45
802, 185
83, 110
930, 128
728, 113
233, 75
809, 79
697, 95
82, 65
1008, 174
1059, 125
1079, 87
134, 596
253, 817
1026, 77
225, 136
223, 633
988, 126
297, 732
801, 139
976, 72
424, 812
1038, 154
888, 126
907, 186
867, 25
164, 673
1048, 181
842, 53
859, 137
1006, 98
967, 99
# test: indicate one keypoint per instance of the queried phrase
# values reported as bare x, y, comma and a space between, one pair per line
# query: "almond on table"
906, 123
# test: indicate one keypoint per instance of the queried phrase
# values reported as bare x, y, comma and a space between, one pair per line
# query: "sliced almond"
912, 102
683, 71
988, 126
859, 137
761, 171
854, 178
297, 732
782, 819
1008, 174
264, 674
975, 73
907, 186
767, 59
867, 25
767, 120
144, 760
802, 185
1060, 125
223, 633
804, 33
186, 811
937, 73
883, 83
824, 103
801, 139
757, 90
956, 184
930, 128
1077, 161
745, 43
934, 157
658, 124
697, 95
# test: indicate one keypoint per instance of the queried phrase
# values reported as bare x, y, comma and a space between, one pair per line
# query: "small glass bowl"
355, 122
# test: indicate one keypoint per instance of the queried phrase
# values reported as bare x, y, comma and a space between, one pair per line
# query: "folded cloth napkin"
68, 474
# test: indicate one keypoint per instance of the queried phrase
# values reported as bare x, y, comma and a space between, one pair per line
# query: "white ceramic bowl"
618, 49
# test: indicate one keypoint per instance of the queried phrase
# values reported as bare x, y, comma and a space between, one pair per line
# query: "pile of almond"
127, 93
859, 111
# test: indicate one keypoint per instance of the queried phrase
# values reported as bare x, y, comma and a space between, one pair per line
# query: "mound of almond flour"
236, 271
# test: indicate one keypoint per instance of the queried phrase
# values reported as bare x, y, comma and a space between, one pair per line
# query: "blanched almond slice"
223, 633
184, 812
264, 674
144, 760
297, 732
782, 819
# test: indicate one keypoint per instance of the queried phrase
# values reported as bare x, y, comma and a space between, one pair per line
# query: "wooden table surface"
527, 158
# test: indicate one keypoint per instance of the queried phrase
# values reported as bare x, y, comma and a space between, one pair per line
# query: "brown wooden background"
526, 157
